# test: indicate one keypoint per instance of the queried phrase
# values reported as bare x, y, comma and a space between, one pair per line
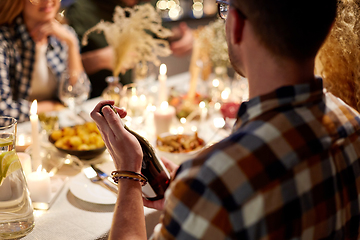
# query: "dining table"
80, 209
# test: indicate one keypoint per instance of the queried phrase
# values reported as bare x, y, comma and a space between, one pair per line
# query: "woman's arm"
54, 28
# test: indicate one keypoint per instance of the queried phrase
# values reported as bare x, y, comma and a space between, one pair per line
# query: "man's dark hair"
290, 28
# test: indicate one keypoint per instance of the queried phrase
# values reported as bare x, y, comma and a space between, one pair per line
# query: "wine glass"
74, 90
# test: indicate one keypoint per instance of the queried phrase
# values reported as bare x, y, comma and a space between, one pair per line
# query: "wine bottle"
152, 168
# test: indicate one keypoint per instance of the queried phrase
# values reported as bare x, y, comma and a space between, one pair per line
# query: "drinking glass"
16, 212
73, 90
135, 101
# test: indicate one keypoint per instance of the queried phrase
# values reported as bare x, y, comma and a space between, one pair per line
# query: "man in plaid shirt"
289, 170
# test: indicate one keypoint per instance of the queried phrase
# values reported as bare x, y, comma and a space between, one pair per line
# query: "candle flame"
183, 120
21, 140
163, 69
219, 122
202, 104
216, 82
33, 108
39, 169
164, 105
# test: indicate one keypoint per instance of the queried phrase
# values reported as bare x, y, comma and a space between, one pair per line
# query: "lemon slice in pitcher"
9, 164
6, 141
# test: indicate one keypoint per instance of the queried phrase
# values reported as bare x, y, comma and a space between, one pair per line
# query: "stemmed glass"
74, 90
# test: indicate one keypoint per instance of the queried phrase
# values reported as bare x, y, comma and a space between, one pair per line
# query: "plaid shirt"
290, 170
17, 57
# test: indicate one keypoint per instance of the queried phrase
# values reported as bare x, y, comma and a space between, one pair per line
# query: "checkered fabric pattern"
290, 170
17, 56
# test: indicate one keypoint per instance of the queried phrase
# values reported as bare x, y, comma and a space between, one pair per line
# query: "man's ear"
237, 25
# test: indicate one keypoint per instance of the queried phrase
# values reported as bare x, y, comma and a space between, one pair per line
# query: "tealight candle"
35, 146
162, 84
163, 117
23, 141
39, 185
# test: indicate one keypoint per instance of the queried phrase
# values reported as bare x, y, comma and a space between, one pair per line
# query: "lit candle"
163, 117
25, 160
203, 111
35, 146
23, 141
39, 186
137, 104
162, 84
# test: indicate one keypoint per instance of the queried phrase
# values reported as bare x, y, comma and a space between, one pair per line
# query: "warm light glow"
183, 120
225, 94
33, 108
38, 213
21, 140
67, 161
217, 106
216, 82
151, 108
202, 104
134, 98
38, 170
171, 4
164, 105
180, 130
194, 128
174, 13
198, 6
163, 69
219, 122
198, 14
143, 97
162, 5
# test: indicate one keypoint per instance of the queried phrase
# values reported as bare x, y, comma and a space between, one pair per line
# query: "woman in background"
35, 51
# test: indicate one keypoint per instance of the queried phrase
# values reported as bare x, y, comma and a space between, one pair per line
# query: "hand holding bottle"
130, 151
123, 147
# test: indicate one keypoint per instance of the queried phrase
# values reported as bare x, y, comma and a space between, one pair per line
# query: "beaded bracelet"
116, 175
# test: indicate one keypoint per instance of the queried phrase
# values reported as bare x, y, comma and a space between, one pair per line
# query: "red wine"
152, 168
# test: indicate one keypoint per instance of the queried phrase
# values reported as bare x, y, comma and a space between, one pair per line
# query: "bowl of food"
179, 147
83, 141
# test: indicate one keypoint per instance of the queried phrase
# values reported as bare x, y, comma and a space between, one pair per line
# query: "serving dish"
83, 141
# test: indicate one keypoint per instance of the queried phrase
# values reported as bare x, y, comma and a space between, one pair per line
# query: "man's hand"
124, 148
159, 204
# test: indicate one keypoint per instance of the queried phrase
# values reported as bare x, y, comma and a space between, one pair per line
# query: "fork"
95, 178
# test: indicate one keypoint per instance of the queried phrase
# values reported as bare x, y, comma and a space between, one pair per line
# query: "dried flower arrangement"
136, 35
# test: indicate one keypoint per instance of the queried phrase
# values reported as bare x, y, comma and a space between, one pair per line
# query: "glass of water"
16, 212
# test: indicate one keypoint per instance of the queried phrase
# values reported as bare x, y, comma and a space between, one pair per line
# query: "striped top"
289, 170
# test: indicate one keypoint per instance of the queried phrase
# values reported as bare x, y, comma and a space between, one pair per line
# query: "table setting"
65, 199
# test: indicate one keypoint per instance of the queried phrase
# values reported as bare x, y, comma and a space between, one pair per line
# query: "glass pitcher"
16, 212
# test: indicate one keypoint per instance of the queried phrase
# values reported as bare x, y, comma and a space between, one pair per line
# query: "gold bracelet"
117, 175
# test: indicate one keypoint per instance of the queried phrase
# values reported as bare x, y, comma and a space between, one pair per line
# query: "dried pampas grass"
136, 35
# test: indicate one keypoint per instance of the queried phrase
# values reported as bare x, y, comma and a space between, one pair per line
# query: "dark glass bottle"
152, 168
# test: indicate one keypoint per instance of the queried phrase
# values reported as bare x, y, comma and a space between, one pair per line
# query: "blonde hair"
338, 61
9, 10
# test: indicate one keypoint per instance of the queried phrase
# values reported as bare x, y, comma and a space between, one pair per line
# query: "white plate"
85, 190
